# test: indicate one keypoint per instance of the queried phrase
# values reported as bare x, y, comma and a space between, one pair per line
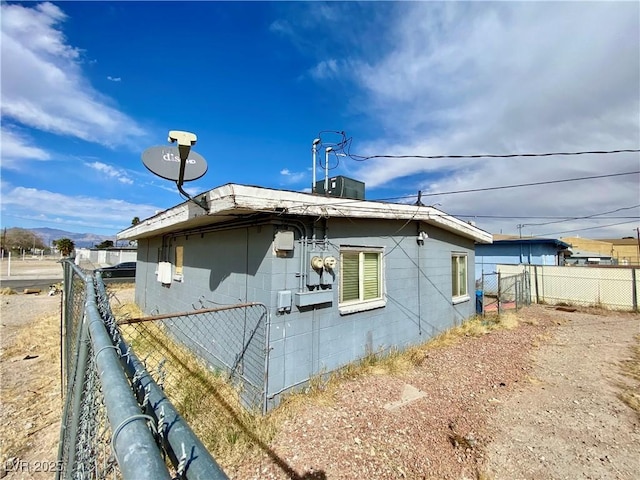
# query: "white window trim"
460, 299
354, 306
456, 299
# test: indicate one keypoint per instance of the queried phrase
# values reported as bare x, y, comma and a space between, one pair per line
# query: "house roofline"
232, 200
534, 240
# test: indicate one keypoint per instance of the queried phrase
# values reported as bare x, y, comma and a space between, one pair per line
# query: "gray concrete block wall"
214, 266
239, 265
324, 340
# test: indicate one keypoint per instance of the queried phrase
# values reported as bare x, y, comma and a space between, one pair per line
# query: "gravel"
538, 401
485, 411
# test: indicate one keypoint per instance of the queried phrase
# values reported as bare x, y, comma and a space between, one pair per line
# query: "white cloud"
190, 190
17, 151
49, 92
114, 79
46, 206
290, 177
111, 172
466, 78
325, 69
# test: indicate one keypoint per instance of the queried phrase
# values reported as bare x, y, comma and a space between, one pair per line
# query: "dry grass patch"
212, 407
321, 388
7, 291
30, 393
630, 393
203, 396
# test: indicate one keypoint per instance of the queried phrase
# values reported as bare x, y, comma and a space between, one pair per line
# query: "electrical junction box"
284, 301
283, 241
342, 187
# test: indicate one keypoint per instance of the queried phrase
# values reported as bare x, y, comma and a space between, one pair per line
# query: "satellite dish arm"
185, 140
202, 203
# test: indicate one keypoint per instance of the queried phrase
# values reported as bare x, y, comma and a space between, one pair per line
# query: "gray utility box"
315, 297
342, 187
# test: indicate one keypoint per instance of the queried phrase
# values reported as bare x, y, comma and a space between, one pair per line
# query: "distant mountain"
81, 240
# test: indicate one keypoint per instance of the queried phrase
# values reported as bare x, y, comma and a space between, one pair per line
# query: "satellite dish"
164, 161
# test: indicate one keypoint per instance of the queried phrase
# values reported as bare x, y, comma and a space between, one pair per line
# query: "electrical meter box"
342, 187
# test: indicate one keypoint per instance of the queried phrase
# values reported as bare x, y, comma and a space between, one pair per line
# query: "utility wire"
548, 182
345, 146
588, 228
582, 218
518, 185
361, 158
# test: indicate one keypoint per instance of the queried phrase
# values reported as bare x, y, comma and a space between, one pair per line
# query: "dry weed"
630, 393
212, 407
29, 408
204, 397
7, 291
321, 387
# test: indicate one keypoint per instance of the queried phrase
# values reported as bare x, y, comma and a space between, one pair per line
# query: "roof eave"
240, 199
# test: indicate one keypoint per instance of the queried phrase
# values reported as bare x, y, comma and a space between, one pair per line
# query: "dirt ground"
539, 401
536, 401
569, 422
30, 397
30, 266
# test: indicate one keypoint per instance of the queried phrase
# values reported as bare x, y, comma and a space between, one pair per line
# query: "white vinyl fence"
607, 287
103, 257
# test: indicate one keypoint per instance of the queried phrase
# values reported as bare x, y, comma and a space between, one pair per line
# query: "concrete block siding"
240, 265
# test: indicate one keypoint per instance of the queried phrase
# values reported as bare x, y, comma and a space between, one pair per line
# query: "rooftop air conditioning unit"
342, 187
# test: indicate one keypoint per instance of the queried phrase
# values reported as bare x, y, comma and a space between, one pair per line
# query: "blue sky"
87, 86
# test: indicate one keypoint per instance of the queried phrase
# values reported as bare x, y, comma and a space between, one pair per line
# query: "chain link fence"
616, 288
188, 351
117, 421
498, 292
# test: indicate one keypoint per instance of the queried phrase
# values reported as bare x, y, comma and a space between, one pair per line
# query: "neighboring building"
512, 250
622, 251
582, 258
340, 278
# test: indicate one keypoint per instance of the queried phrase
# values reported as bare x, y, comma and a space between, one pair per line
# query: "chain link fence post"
104, 431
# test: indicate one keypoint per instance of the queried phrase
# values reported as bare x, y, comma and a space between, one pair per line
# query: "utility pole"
519, 227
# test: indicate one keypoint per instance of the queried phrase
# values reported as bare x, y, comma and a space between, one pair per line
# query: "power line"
345, 146
588, 228
583, 218
410, 197
361, 158
532, 184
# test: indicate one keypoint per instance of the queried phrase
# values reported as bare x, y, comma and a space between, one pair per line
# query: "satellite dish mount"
179, 164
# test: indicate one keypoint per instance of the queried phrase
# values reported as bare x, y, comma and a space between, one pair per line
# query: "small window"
179, 263
361, 279
459, 277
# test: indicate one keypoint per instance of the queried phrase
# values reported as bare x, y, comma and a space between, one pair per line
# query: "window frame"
178, 274
361, 304
457, 296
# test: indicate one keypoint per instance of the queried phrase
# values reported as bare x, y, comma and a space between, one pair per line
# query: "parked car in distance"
125, 269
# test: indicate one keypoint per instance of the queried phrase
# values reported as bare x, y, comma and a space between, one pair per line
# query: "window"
459, 277
179, 263
361, 279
